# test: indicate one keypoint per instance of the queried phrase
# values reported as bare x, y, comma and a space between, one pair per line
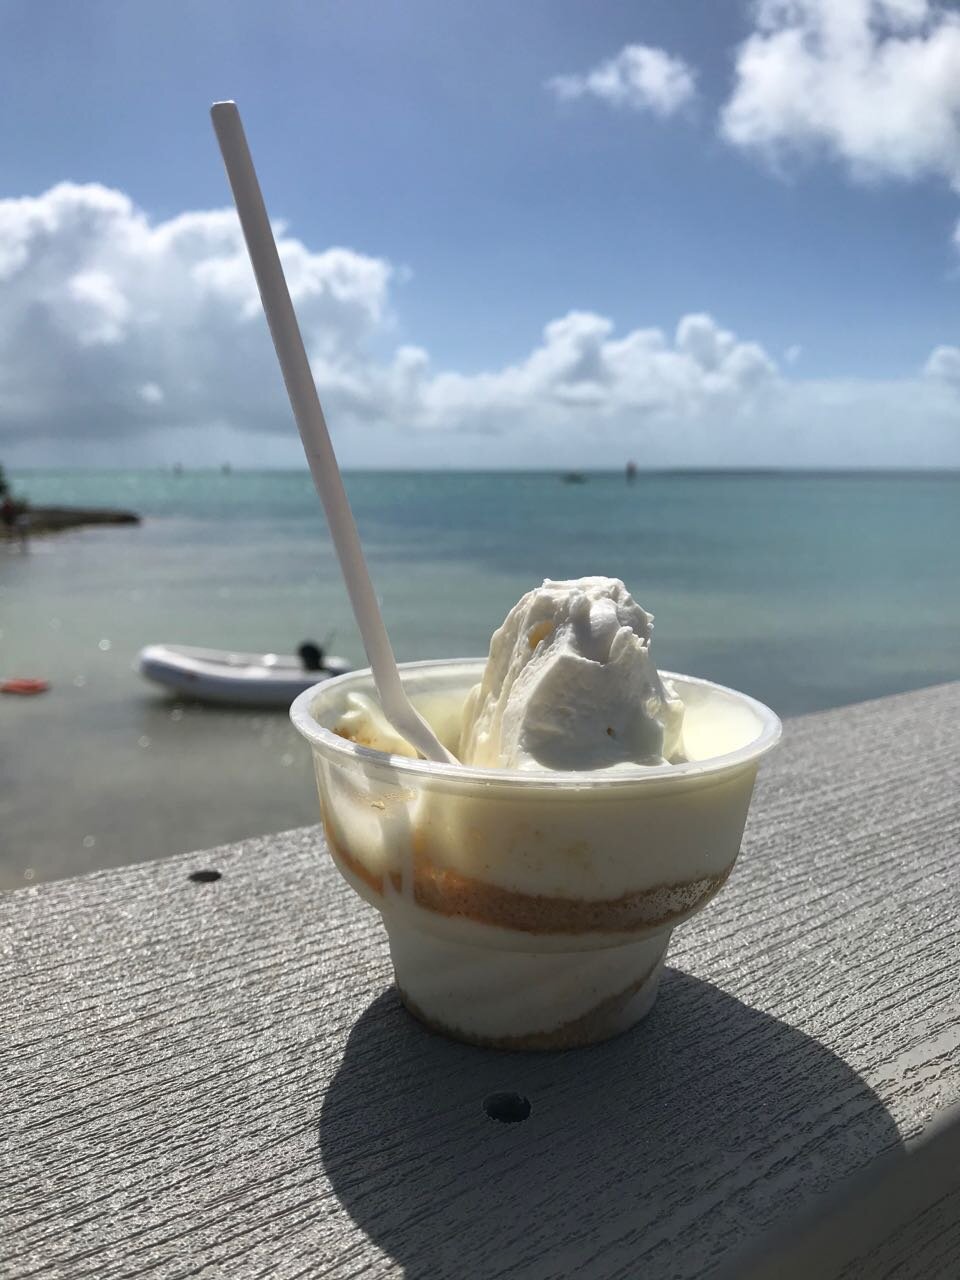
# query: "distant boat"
573, 477
238, 679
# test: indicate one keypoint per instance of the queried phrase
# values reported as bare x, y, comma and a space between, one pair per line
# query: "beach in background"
807, 591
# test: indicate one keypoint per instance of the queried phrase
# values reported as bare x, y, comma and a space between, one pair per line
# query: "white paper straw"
305, 403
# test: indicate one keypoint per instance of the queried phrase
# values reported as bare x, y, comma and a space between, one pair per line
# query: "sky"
526, 233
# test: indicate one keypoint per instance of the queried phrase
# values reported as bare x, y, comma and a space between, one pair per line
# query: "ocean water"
807, 591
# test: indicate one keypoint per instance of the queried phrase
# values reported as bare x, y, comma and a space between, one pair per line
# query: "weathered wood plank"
215, 1078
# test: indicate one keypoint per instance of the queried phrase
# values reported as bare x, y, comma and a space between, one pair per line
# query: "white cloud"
111, 325
94, 307
875, 83
582, 373
943, 366
124, 340
105, 316
151, 393
861, 422
638, 77
793, 353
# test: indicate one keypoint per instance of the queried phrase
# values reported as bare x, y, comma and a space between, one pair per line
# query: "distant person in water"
311, 655
631, 472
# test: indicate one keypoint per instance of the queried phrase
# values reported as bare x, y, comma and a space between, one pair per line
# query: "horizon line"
231, 468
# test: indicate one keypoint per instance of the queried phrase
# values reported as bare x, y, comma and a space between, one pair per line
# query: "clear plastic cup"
530, 910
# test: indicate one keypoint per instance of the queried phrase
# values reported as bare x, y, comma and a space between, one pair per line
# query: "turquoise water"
807, 591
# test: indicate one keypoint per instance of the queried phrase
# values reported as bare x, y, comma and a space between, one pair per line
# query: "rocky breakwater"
35, 520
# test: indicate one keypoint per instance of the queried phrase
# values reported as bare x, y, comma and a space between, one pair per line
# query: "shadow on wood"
659, 1153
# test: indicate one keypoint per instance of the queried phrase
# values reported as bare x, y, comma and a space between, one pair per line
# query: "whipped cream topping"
570, 684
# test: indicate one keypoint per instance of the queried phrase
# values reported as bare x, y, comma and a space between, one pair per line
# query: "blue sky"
426, 137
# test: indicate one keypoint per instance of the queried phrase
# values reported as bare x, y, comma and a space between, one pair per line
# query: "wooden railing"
205, 1071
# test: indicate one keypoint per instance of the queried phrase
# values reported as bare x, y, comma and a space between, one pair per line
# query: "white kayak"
243, 679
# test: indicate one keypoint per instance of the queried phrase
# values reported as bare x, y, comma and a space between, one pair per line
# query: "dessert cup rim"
345, 752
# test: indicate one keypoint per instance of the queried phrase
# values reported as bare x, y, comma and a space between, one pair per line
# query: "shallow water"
806, 591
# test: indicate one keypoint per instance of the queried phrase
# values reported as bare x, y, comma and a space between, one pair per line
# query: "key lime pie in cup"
529, 891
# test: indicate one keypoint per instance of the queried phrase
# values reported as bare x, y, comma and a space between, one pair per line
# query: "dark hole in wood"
204, 877
509, 1108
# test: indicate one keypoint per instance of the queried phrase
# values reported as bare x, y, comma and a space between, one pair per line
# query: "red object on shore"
24, 686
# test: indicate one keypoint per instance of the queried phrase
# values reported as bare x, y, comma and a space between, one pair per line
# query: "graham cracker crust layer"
452, 894
602, 1022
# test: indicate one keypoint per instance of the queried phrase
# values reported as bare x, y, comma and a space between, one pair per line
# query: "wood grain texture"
216, 1079
900, 1218
927, 1245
